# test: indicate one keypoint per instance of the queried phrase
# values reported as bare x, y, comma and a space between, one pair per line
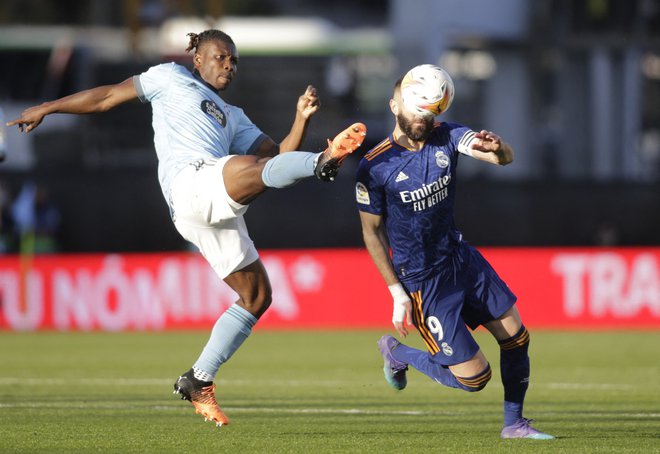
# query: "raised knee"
476, 382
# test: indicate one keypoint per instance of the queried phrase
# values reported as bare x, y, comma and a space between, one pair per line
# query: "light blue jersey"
190, 121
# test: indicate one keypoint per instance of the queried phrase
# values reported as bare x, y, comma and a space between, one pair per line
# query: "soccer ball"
427, 90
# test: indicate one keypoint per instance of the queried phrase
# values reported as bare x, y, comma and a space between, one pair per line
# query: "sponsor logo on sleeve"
361, 194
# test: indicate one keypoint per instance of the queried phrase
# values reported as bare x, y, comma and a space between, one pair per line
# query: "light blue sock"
228, 334
288, 168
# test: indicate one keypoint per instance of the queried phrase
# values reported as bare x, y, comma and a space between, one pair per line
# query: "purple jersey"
414, 192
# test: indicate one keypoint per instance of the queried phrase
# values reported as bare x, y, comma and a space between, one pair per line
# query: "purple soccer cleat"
394, 370
523, 429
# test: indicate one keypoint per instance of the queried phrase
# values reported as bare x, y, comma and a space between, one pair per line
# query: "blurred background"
573, 85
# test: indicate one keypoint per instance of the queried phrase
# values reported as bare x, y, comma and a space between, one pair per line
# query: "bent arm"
292, 142
99, 99
489, 147
308, 104
377, 244
295, 137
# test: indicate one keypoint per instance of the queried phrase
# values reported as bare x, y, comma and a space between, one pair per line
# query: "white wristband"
399, 295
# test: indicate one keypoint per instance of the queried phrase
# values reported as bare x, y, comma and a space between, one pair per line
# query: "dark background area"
125, 211
101, 174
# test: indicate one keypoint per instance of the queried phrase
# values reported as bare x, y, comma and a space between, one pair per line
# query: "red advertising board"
315, 288
583, 288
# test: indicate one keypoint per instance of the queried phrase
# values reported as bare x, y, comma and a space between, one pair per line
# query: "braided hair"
208, 35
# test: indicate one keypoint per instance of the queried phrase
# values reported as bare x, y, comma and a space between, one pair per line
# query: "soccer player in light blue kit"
405, 193
212, 162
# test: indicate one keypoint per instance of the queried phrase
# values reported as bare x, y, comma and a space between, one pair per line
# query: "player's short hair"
397, 86
196, 40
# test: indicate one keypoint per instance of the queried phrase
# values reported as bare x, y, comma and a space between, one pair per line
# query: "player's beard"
414, 131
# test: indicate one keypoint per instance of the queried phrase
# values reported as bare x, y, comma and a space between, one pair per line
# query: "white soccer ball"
427, 90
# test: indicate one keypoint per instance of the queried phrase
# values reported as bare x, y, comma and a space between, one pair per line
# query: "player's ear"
197, 60
394, 107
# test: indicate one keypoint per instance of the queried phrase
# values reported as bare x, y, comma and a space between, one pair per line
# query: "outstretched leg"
246, 177
474, 374
243, 179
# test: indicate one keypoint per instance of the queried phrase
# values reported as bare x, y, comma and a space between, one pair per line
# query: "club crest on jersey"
212, 109
446, 349
441, 159
361, 194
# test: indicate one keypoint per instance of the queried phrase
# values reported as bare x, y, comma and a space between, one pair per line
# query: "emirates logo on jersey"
212, 109
428, 195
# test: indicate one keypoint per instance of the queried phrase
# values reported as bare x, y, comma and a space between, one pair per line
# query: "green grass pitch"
313, 392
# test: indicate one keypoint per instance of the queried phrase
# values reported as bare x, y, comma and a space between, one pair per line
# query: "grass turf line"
317, 391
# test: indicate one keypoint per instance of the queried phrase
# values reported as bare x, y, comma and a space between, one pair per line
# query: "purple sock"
423, 362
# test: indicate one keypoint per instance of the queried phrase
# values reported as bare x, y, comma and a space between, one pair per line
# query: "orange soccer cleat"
345, 143
202, 395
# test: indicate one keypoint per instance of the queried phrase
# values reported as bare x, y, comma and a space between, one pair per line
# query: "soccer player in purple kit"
405, 191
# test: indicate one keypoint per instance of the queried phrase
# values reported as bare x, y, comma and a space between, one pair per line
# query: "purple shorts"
466, 290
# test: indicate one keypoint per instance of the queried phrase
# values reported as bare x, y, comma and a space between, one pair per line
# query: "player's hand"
487, 142
30, 118
402, 313
402, 317
309, 103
